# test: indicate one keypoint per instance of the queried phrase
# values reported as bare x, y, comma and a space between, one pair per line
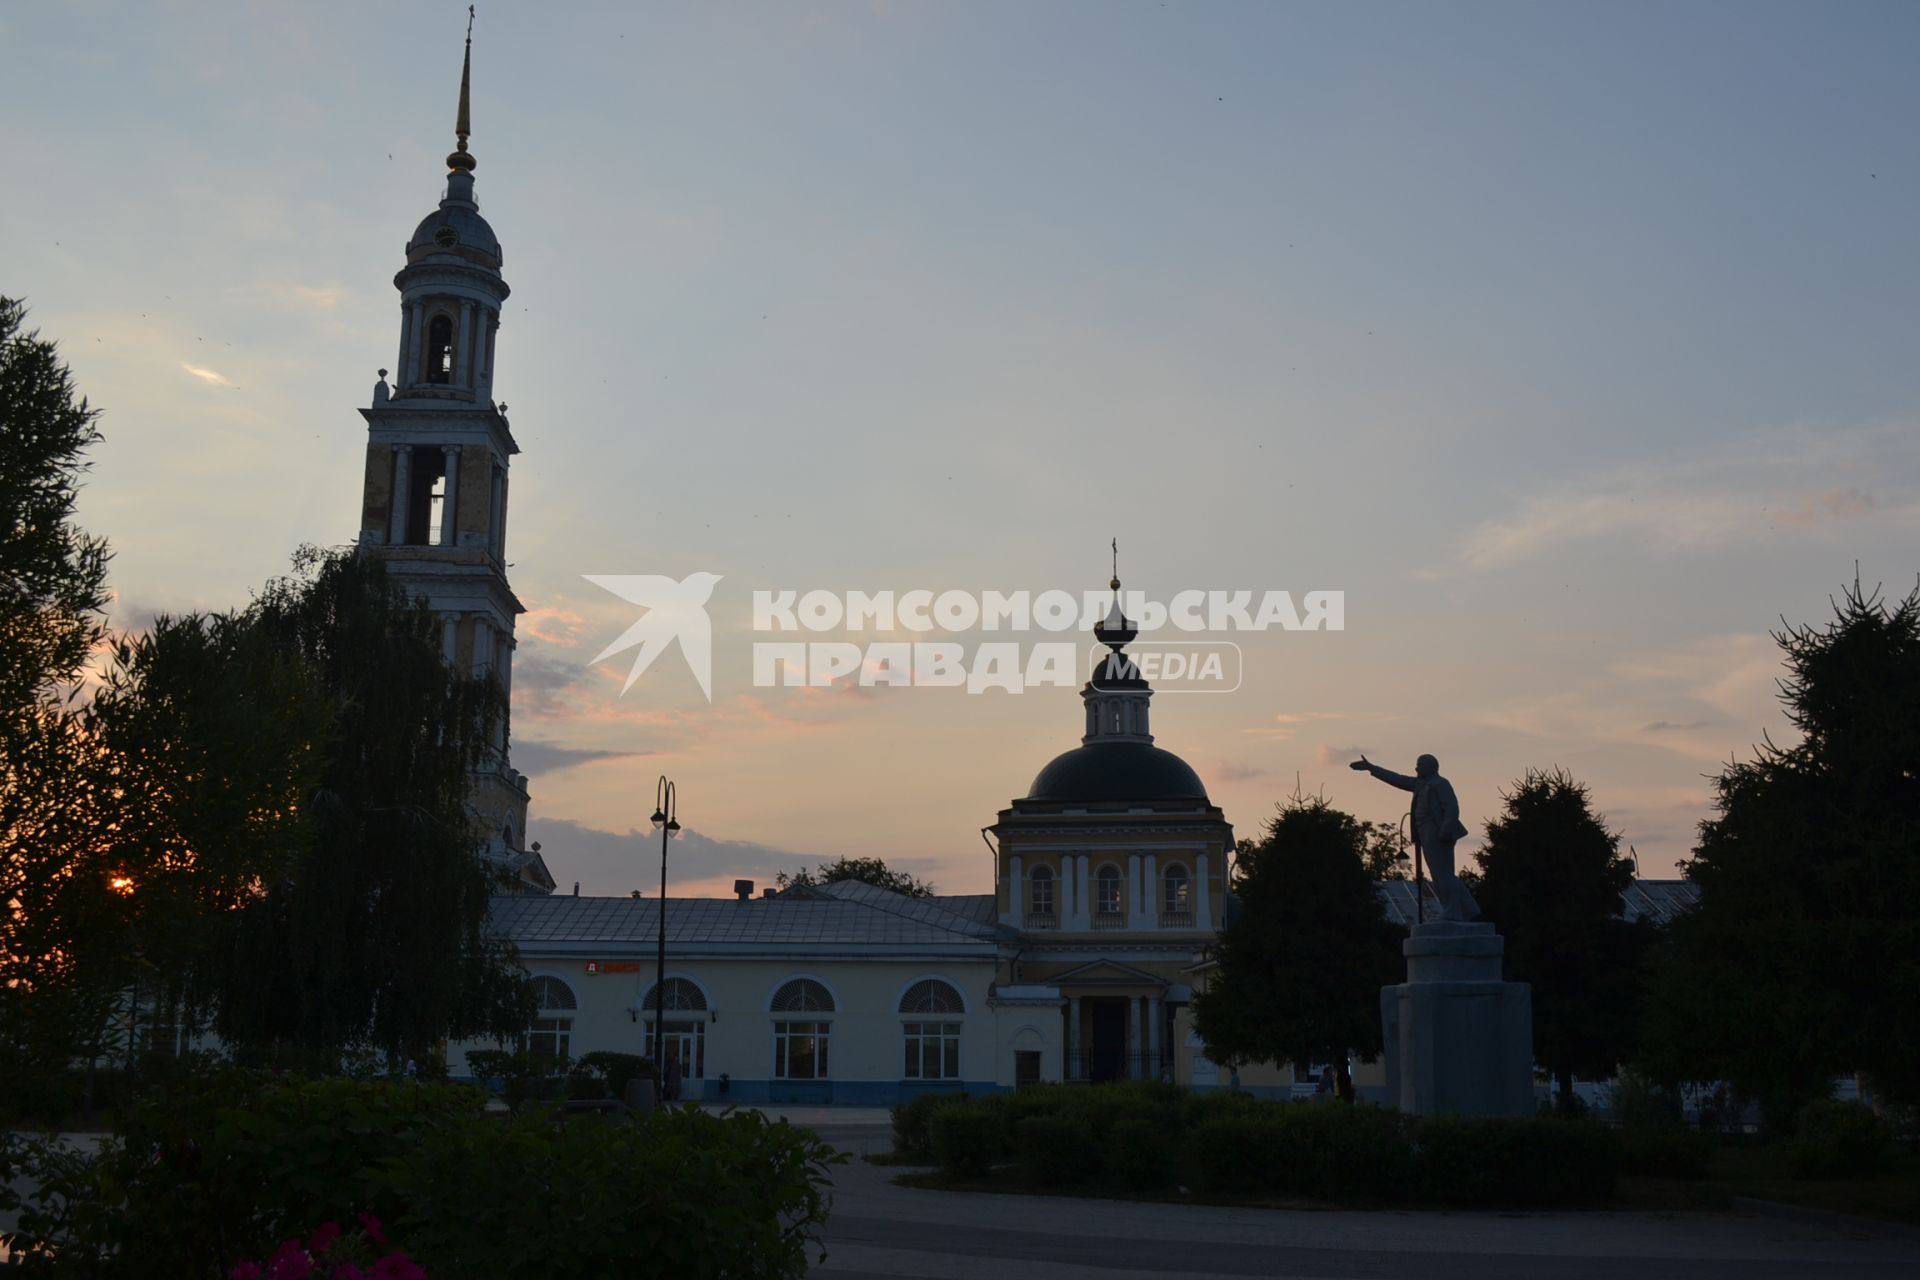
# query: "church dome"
456, 229
1116, 772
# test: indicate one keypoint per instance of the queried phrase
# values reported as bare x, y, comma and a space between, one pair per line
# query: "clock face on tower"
445, 238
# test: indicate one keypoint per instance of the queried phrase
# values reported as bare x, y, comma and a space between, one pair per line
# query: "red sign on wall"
613, 966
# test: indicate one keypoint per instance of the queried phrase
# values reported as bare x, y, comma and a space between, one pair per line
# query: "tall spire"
460, 160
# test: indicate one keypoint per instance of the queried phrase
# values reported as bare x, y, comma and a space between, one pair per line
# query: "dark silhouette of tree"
1299, 968
1551, 876
59, 912
866, 870
1802, 960
377, 933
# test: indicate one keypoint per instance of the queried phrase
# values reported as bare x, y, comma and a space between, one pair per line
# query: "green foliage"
520, 1077
1485, 1161
226, 1167
912, 1138
1550, 880
609, 1072
378, 932
1840, 1140
1801, 961
1057, 1150
1301, 967
685, 1194
220, 1168
52, 574
1142, 1153
872, 871
965, 1140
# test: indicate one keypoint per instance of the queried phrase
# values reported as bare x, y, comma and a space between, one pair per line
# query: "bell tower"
434, 504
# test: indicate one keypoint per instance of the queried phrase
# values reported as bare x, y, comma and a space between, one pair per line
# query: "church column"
450, 497
402, 486
496, 532
1013, 890
469, 348
1152, 890
449, 635
1202, 913
1076, 1069
1082, 909
482, 645
414, 371
486, 370
1135, 916
1133, 1037
1156, 1014
406, 344
503, 672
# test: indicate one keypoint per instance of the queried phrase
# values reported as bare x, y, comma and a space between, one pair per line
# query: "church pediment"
1106, 973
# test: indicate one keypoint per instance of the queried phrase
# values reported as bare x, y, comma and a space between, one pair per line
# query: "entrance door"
685, 1047
1108, 1060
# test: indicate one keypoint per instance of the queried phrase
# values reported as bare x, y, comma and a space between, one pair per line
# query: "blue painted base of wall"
837, 1093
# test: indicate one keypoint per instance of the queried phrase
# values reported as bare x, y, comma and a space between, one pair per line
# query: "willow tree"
376, 932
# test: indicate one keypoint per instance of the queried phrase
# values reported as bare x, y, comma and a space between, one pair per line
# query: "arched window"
1107, 885
800, 1047
1175, 894
1040, 896
802, 995
440, 350
551, 993
682, 997
931, 995
550, 1035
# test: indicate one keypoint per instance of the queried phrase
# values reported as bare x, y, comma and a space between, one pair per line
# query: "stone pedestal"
1458, 1039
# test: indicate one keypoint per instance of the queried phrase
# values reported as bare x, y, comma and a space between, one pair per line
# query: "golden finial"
460, 160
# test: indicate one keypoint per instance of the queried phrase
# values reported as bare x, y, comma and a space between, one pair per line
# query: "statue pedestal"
1458, 1039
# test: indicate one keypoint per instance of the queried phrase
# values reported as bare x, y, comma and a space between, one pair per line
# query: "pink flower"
396, 1266
245, 1271
348, 1271
371, 1225
289, 1262
323, 1237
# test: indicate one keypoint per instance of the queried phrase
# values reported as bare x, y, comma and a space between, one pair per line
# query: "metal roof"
827, 915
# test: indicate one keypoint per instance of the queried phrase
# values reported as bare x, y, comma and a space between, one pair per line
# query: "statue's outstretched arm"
1387, 776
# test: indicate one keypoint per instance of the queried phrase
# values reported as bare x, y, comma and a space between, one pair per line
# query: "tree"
873, 871
1386, 857
1551, 878
376, 933
58, 909
1298, 972
52, 574
1802, 960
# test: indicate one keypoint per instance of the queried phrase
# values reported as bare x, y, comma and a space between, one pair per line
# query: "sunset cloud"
207, 375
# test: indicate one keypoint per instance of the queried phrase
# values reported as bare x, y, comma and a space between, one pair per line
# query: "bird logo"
673, 611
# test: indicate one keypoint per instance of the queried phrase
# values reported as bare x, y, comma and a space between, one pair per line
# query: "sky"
1574, 344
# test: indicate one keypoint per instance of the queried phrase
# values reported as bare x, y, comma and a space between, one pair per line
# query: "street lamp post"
668, 825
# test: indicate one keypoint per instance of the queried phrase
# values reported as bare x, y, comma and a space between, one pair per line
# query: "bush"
911, 1138
1667, 1151
208, 1176
1840, 1140
1488, 1162
1234, 1154
209, 1171
611, 1071
683, 1193
1057, 1150
1142, 1154
966, 1138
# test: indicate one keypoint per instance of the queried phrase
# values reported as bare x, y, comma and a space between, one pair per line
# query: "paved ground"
882, 1232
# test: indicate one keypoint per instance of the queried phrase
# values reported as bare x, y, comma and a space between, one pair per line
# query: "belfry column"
450, 497
1013, 889
402, 486
1202, 912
